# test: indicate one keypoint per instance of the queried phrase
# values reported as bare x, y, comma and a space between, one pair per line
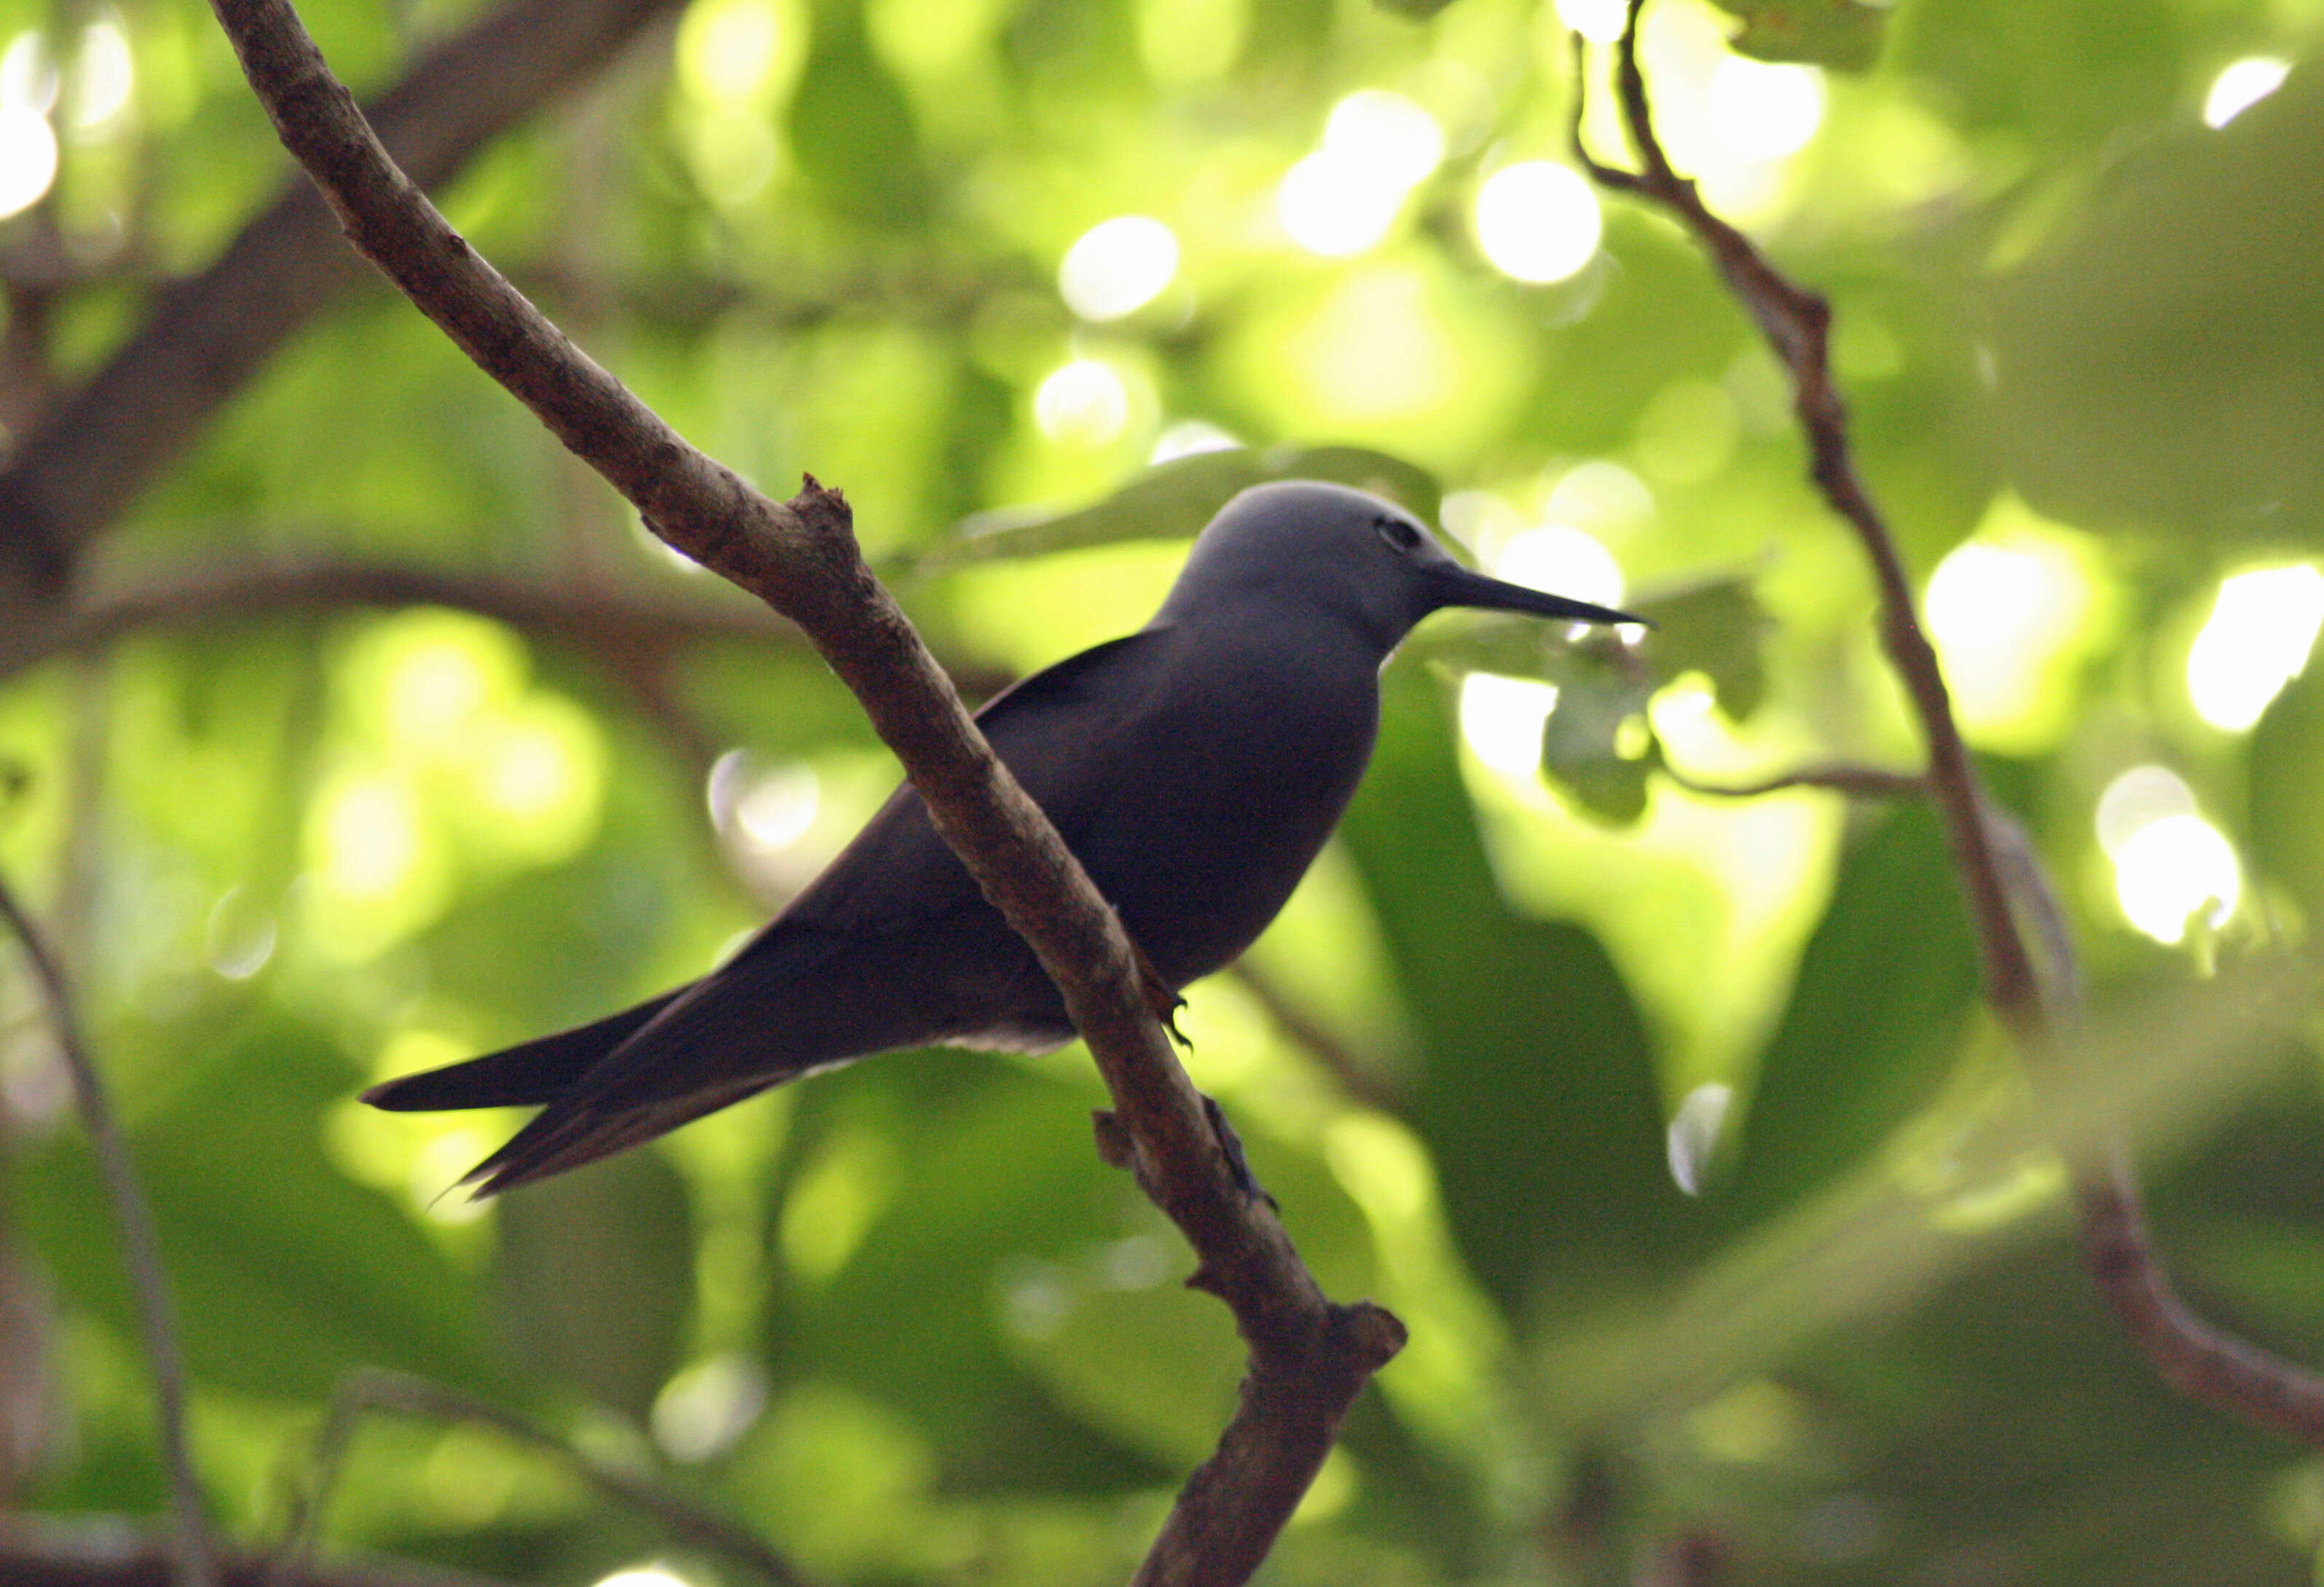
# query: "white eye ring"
1397, 532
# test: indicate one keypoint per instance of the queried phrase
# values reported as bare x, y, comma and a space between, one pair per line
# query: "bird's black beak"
1455, 585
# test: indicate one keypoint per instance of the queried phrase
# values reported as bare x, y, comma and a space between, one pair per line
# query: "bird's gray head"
1303, 550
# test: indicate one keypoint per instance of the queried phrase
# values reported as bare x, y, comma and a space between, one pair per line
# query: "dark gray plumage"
1195, 767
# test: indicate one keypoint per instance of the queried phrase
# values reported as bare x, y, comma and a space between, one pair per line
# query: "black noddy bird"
1194, 767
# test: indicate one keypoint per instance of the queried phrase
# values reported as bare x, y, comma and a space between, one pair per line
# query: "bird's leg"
1232, 1144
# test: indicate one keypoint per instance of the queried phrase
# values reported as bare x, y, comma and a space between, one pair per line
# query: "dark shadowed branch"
1998, 870
1308, 1356
141, 1254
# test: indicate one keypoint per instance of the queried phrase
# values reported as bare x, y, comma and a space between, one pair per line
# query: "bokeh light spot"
1537, 221
1598, 21
1761, 110
103, 76
2262, 628
1340, 201
2240, 85
1395, 138
1082, 403
28, 157
2013, 610
1502, 722
1564, 561
1118, 266
2169, 870
2138, 799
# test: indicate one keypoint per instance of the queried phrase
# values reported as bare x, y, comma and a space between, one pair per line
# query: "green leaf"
1596, 744
1536, 1097
1842, 34
1870, 1030
1174, 500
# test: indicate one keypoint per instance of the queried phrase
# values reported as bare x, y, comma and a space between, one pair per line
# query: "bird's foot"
1232, 1144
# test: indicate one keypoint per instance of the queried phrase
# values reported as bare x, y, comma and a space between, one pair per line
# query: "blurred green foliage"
899, 1317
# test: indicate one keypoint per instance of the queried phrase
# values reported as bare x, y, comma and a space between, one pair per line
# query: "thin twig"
378, 1390
1862, 782
141, 1252
1308, 1356
1994, 864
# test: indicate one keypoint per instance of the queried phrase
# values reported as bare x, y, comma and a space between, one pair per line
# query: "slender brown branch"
1996, 865
376, 1390
1307, 1355
141, 1252
1862, 782
209, 335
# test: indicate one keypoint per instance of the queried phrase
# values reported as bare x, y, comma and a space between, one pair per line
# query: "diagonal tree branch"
1996, 866
1308, 1356
190, 1541
209, 335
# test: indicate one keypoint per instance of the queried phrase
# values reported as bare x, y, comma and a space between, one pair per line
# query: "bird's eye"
1397, 532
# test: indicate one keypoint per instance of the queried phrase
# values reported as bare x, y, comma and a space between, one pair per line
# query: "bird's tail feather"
586, 1128
518, 1076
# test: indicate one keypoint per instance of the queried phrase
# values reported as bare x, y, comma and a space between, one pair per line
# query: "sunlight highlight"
2014, 611
2170, 863
1763, 111
1564, 561
2241, 85
1118, 266
1502, 722
2262, 628
1598, 21
28, 157
103, 76
1341, 200
1082, 404
1190, 437
1538, 221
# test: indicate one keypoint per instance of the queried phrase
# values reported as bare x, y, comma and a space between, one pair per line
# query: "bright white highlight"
1765, 111
1118, 266
1395, 138
644, 1576
28, 157
1564, 561
2173, 869
2169, 863
2241, 85
2258, 638
1340, 201
705, 1409
103, 76
1084, 404
1692, 1137
2002, 611
1598, 21
2138, 799
1537, 221
1189, 436
1501, 721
